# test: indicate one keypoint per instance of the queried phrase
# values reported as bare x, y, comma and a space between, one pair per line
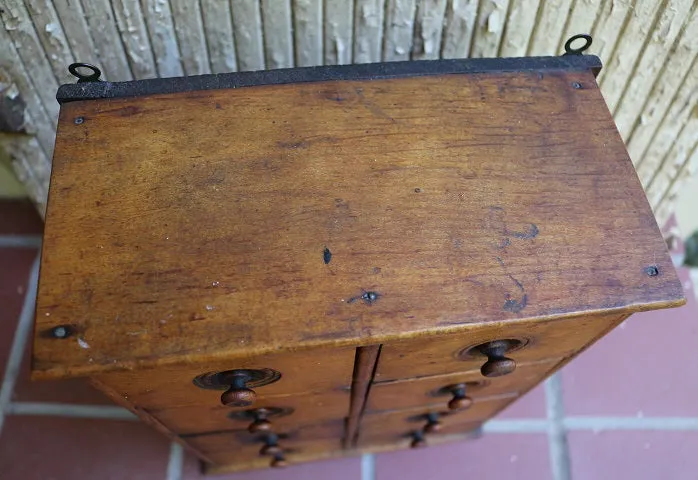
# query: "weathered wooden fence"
649, 48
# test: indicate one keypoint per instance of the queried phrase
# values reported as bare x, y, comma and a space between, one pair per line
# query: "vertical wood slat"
666, 205
134, 35
102, 28
162, 37
549, 28
278, 38
247, 27
368, 30
520, 25
36, 119
20, 33
612, 18
673, 73
218, 27
458, 29
681, 108
650, 63
307, 28
339, 30
628, 49
50, 32
77, 32
399, 30
428, 29
190, 36
580, 20
489, 28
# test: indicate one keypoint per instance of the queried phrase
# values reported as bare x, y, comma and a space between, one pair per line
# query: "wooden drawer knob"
271, 446
238, 395
433, 424
459, 401
418, 440
260, 422
497, 364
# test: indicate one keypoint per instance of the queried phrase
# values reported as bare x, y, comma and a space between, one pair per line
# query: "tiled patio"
626, 409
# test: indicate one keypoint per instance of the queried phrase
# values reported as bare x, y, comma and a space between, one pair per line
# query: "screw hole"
652, 270
79, 120
576, 85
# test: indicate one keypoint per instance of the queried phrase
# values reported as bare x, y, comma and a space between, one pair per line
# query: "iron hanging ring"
577, 51
93, 77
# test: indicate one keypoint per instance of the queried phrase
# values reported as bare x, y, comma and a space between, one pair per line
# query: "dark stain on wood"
326, 256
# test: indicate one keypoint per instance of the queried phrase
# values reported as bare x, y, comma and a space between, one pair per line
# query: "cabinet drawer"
241, 447
412, 393
303, 372
529, 341
282, 412
399, 427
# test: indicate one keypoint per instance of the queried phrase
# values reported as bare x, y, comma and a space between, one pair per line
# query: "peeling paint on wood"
339, 25
278, 38
548, 30
489, 28
247, 26
105, 36
580, 20
218, 25
520, 23
189, 28
399, 30
307, 28
611, 19
134, 36
162, 38
458, 29
50, 32
368, 30
428, 29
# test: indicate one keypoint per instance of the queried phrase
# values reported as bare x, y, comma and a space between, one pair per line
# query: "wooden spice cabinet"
277, 267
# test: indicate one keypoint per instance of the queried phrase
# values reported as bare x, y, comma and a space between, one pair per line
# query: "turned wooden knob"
271, 449
497, 364
238, 395
418, 440
433, 424
259, 425
459, 401
279, 462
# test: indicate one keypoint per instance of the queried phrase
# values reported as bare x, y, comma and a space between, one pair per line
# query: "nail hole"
576, 85
79, 120
417, 190
62, 331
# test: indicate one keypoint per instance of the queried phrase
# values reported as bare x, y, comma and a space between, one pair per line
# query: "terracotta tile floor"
626, 408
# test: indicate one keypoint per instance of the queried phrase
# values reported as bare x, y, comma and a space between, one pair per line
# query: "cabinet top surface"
227, 222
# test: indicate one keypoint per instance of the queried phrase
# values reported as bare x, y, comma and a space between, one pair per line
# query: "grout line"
631, 423
557, 437
105, 412
24, 326
516, 426
20, 241
175, 463
368, 466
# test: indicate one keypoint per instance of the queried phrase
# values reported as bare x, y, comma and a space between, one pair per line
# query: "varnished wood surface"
415, 392
542, 340
191, 226
308, 372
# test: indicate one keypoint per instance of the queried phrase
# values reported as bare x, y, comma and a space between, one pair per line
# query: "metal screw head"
576, 85
60, 332
79, 120
652, 271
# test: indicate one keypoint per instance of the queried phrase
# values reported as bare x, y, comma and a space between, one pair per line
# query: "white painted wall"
649, 48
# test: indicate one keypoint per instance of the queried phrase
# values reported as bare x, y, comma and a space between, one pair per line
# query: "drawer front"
303, 372
528, 342
281, 413
243, 448
400, 427
413, 393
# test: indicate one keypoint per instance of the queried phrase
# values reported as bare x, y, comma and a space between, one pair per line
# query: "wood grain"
413, 393
215, 247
